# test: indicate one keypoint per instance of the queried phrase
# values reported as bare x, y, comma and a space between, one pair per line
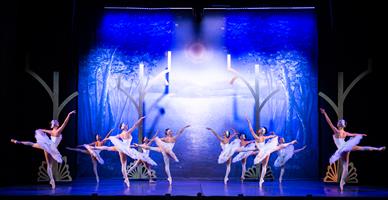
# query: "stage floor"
115, 187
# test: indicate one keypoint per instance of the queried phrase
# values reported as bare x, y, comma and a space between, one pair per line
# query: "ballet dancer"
345, 147
245, 150
49, 145
228, 149
265, 149
284, 155
265, 152
165, 146
94, 153
145, 158
122, 145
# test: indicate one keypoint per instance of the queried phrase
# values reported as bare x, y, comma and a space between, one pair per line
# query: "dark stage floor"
115, 188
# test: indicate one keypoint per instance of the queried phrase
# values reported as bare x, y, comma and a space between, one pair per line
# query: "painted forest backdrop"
209, 73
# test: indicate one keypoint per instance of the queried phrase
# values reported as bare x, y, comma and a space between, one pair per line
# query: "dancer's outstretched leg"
368, 148
78, 150
228, 165
157, 149
167, 167
123, 160
243, 168
106, 148
27, 143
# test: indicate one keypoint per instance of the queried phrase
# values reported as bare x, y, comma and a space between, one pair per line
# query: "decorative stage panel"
211, 72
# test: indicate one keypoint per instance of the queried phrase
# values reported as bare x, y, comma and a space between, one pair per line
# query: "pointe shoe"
169, 180
261, 183
14, 141
151, 181
226, 179
382, 148
342, 186
52, 183
126, 181
242, 178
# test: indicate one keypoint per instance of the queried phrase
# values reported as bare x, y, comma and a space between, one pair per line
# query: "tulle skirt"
48, 145
284, 155
167, 147
124, 148
266, 150
145, 157
345, 147
228, 151
95, 153
245, 153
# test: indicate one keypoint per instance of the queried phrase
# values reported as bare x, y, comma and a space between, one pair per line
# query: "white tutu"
266, 150
344, 146
145, 156
49, 145
246, 151
284, 155
228, 151
164, 145
123, 146
95, 153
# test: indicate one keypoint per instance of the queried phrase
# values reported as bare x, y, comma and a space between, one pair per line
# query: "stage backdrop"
201, 88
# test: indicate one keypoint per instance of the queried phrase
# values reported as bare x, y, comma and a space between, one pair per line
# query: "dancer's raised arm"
137, 123
153, 137
181, 131
215, 133
335, 130
60, 129
273, 134
251, 129
107, 136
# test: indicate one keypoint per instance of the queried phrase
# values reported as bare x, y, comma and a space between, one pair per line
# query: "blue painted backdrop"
200, 93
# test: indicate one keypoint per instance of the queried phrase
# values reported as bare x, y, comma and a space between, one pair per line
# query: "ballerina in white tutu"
345, 147
145, 157
284, 155
49, 145
246, 149
165, 146
228, 149
94, 153
122, 144
264, 149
